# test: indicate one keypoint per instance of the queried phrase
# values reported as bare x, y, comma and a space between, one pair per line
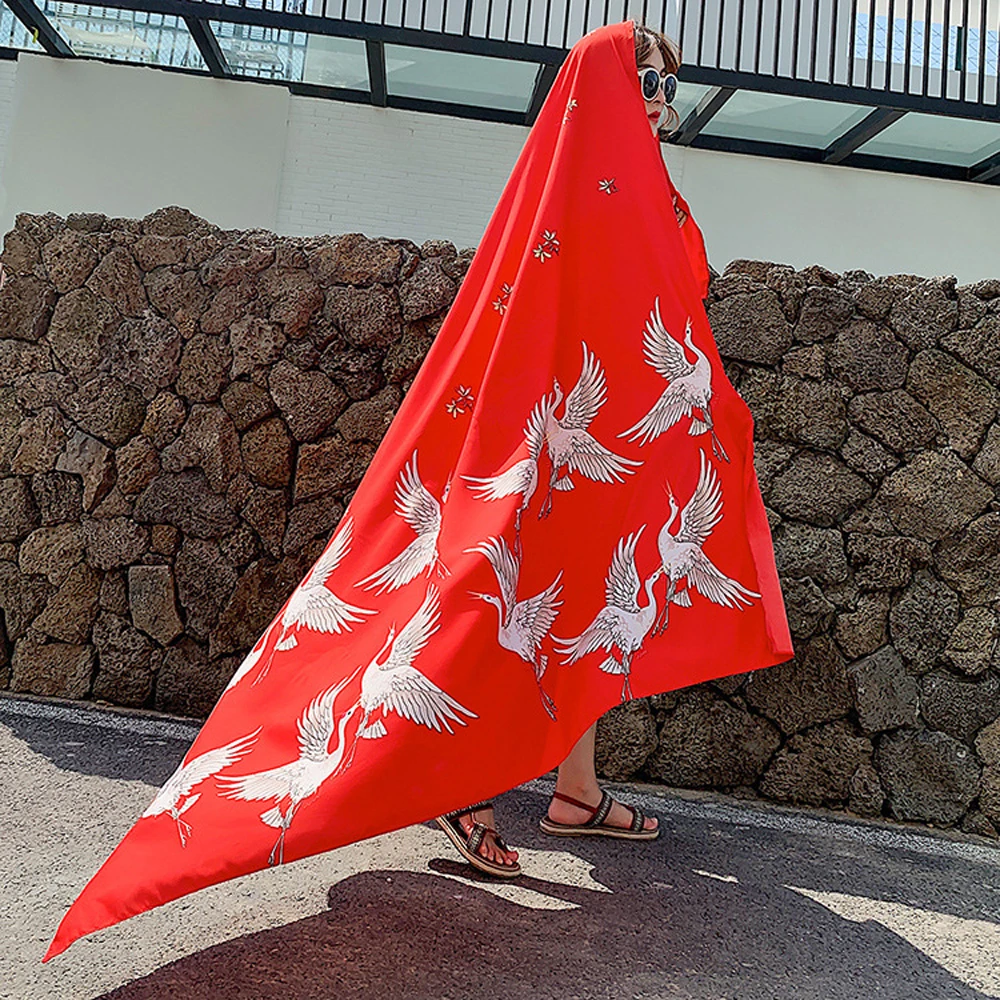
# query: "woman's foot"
489, 849
566, 814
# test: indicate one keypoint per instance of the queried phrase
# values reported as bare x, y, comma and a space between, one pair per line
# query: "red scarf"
560, 462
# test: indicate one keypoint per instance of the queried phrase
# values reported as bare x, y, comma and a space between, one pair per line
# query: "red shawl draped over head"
563, 515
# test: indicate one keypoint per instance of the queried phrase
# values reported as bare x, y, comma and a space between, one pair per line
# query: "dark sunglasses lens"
670, 88
650, 84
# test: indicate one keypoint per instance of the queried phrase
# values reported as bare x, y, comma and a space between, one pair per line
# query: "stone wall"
184, 412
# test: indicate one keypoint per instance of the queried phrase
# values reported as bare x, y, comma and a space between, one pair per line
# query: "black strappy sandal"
468, 845
595, 826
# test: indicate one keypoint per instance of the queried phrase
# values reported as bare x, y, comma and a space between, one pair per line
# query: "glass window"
958, 141
13, 34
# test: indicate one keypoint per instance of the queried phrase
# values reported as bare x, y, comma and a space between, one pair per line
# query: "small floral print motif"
461, 402
571, 106
500, 303
608, 185
548, 245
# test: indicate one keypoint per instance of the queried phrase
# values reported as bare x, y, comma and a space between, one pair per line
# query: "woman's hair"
646, 39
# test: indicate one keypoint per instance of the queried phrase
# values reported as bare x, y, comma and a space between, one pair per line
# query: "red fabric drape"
570, 451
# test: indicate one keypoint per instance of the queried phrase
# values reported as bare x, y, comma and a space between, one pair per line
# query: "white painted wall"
89, 136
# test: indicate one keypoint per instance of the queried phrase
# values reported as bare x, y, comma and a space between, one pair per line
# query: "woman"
562, 516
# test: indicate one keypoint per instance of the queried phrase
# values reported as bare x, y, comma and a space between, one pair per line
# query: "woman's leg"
578, 779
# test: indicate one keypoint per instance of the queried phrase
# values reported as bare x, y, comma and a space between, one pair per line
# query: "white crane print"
289, 785
313, 605
250, 660
523, 624
521, 477
421, 510
396, 685
621, 623
681, 555
570, 445
689, 389
175, 796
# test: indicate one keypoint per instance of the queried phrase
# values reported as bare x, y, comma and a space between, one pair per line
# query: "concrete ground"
736, 901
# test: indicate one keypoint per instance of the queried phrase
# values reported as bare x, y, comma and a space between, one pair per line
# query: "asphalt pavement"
735, 901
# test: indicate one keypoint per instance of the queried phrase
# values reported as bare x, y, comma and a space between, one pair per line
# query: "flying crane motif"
689, 388
289, 785
417, 506
523, 624
621, 623
681, 555
570, 445
175, 796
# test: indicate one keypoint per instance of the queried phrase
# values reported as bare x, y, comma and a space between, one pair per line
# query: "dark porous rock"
895, 418
369, 420
922, 621
260, 592
293, 297
118, 279
815, 768
185, 500
230, 265
988, 744
25, 307
796, 410
240, 547
114, 542
352, 259
751, 327
987, 463
204, 368
708, 742
817, 488
178, 296
885, 693
20, 252
173, 220
144, 352
958, 706
808, 610
58, 495
867, 456
37, 390
107, 408
80, 322
885, 562
303, 354
971, 308
88, 458
808, 690
309, 521
867, 357
71, 610
53, 670
309, 401
164, 539
152, 603
626, 736
124, 662
247, 404
114, 597
824, 311
368, 317
427, 291
962, 401
231, 305
18, 510
188, 683
115, 504
925, 313
973, 643
929, 777
137, 463
404, 358
989, 797
805, 362
358, 372
801, 550
267, 453
164, 418
208, 441
970, 561
266, 511
11, 417
152, 252
21, 598
979, 347
43, 437
769, 458
865, 628
204, 582
934, 496
331, 466
255, 343
977, 823
865, 793
51, 551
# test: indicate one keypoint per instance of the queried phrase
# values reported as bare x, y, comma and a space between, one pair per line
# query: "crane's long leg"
279, 847
661, 623
183, 830
267, 666
547, 703
717, 448
627, 682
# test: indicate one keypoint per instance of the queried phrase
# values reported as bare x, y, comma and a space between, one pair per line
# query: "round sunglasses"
651, 81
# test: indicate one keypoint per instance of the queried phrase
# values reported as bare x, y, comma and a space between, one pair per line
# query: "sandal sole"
616, 832
477, 862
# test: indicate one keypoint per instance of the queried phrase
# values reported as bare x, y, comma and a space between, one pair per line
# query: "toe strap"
476, 835
638, 819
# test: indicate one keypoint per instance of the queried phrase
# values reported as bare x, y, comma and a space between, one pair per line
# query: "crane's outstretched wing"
506, 567
599, 634
414, 697
704, 510
621, 586
534, 429
664, 353
418, 556
712, 583
316, 724
591, 459
271, 784
415, 633
536, 615
250, 660
516, 479
331, 558
414, 502
321, 610
587, 396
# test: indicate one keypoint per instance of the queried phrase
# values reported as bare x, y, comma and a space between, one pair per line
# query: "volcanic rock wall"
185, 411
